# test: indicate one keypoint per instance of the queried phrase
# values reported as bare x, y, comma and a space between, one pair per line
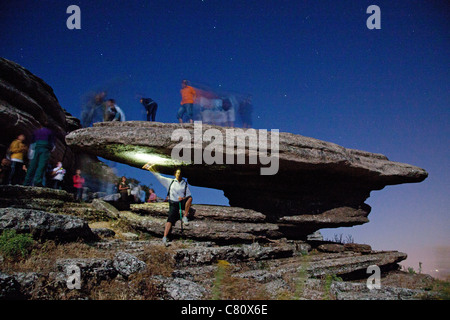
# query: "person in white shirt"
58, 175
179, 197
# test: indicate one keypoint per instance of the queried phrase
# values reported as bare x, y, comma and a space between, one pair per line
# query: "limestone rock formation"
263, 234
45, 226
25, 102
318, 185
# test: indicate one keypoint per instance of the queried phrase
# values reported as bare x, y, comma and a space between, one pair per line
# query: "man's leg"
41, 166
167, 229
32, 168
190, 112
12, 173
155, 107
187, 206
181, 112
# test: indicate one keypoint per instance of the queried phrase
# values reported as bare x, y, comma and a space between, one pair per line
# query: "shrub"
15, 246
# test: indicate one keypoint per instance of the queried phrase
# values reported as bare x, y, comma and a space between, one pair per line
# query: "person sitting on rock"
179, 195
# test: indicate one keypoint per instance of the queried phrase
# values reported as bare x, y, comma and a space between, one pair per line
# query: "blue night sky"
313, 68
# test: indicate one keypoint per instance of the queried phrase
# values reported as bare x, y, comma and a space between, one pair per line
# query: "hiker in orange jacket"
188, 96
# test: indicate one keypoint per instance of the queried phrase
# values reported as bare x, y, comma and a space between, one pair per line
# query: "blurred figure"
139, 194
58, 175
188, 96
93, 108
44, 143
18, 150
110, 110
245, 112
120, 115
218, 114
5, 169
113, 112
78, 183
228, 106
204, 101
150, 106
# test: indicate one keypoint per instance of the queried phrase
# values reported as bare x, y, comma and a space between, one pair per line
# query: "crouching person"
179, 197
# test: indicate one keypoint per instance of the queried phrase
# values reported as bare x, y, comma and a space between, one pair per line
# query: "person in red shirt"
188, 96
78, 182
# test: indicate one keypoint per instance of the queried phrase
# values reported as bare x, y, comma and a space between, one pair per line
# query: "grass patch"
14, 246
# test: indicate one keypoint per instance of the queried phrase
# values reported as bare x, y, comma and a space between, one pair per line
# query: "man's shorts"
187, 108
174, 210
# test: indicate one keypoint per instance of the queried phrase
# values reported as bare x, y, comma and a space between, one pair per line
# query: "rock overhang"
317, 184
138, 142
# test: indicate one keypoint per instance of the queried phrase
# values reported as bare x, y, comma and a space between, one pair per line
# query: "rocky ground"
119, 257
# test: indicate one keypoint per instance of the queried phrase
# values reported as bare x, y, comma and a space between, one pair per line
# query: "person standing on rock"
151, 107
78, 183
123, 189
188, 96
44, 141
152, 197
180, 198
18, 150
58, 175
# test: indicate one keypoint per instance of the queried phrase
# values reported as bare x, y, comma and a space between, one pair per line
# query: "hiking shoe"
185, 220
165, 241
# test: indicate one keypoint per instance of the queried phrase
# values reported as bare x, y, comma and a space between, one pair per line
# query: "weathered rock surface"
318, 185
359, 291
127, 264
25, 102
205, 230
26, 197
53, 201
44, 225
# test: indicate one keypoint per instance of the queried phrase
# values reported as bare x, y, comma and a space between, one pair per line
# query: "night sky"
313, 68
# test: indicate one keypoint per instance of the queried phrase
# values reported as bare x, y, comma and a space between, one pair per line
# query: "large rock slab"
27, 197
52, 201
205, 230
318, 185
202, 212
45, 226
